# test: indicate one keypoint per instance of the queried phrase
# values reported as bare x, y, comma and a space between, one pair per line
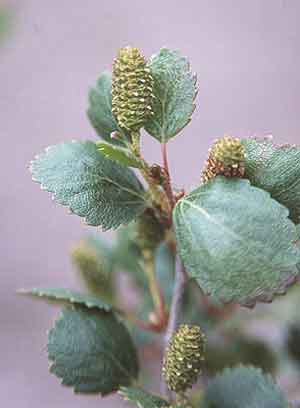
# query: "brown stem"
159, 197
175, 311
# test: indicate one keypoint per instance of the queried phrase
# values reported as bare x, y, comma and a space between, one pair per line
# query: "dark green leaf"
80, 177
142, 398
237, 241
99, 111
175, 91
66, 296
244, 387
91, 352
119, 154
275, 169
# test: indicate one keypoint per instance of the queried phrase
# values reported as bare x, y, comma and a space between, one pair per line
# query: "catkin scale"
227, 158
184, 358
132, 89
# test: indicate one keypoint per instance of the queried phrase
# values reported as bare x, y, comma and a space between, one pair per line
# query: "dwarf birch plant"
231, 242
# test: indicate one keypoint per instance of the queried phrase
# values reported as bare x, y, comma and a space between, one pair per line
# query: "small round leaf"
237, 241
102, 191
244, 387
91, 351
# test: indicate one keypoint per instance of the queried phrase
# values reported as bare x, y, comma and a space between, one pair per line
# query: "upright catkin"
184, 358
132, 89
227, 158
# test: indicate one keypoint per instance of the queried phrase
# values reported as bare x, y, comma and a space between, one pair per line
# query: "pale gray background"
246, 55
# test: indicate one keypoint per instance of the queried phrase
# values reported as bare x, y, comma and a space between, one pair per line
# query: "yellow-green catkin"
93, 270
184, 358
227, 158
132, 89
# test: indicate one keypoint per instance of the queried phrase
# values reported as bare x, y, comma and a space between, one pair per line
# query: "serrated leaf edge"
267, 377
71, 300
250, 368
270, 139
250, 303
195, 81
53, 195
51, 363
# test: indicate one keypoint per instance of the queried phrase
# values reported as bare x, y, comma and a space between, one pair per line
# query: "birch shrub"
195, 258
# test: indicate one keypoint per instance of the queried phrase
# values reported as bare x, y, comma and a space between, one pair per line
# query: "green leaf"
244, 387
237, 241
275, 169
175, 91
119, 154
80, 177
100, 111
66, 296
92, 352
142, 398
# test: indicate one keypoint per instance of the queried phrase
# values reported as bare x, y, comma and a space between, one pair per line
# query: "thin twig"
146, 326
167, 184
180, 282
175, 311
165, 157
157, 195
155, 289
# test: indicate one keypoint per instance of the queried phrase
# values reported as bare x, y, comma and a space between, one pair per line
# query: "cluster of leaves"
237, 238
